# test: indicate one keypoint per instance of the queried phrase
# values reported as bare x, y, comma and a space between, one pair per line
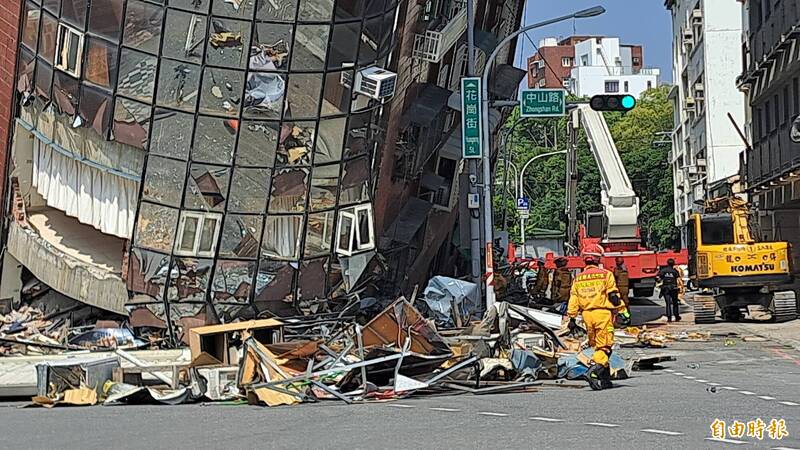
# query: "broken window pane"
30, 26
74, 13
105, 18
249, 190
324, 186
257, 143
229, 43
137, 75
65, 93
355, 182
274, 281
178, 83
172, 134
147, 272
163, 181
47, 44
222, 91
281, 238
344, 45
143, 26
95, 109
240, 236
131, 123
207, 188
337, 93
241, 9
295, 150
185, 36
263, 98
25, 72
44, 79
311, 282
288, 193
189, 279
54, 6
214, 140
357, 137
349, 10
272, 46
276, 10
310, 46
233, 281
315, 10
200, 6
319, 233
329, 141
302, 100
155, 227
101, 62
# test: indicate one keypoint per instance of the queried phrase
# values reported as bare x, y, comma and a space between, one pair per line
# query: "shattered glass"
178, 85
207, 188
163, 181
185, 35
221, 92
214, 140
65, 93
147, 272
137, 75
295, 147
288, 193
249, 190
233, 281
155, 227
240, 236
131, 123
172, 134
189, 279
257, 143
143, 26
274, 280
228, 43
95, 109
281, 238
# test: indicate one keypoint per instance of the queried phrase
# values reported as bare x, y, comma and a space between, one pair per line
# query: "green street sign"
542, 103
471, 123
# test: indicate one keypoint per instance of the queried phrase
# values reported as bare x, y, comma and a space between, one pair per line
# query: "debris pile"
27, 331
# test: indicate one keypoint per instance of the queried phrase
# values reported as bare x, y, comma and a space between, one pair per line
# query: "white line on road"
702, 381
766, 397
727, 441
445, 409
788, 403
730, 388
785, 448
601, 424
669, 370
546, 419
493, 414
679, 373
668, 433
689, 378
402, 406
747, 393
714, 384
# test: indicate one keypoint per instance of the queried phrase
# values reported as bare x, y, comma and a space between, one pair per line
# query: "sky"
644, 22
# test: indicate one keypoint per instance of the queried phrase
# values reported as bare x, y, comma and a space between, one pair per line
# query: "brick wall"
9, 26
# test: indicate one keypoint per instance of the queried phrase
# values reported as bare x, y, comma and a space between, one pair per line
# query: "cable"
546, 63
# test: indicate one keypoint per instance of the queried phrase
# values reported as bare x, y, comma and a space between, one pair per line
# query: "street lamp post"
519, 183
488, 227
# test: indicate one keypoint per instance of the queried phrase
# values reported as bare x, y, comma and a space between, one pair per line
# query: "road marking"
714, 384
747, 393
727, 441
402, 406
445, 409
788, 403
668, 433
730, 388
689, 378
679, 373
766, 397
702, 381
784, 448
493, 414
546, 419
669, 370
601, 424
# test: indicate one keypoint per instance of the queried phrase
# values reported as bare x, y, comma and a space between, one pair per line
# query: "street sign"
523, 204
471, 123
542, 103
524, 214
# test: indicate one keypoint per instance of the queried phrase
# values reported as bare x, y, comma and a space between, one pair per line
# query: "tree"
647, 164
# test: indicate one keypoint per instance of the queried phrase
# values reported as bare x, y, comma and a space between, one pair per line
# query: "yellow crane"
732, 269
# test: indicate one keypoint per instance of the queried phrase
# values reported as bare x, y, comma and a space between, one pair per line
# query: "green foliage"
647, 164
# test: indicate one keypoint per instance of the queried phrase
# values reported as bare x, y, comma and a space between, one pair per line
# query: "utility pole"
474, 218
572, 176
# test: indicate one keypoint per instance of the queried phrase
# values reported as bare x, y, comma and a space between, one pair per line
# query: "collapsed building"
185, 162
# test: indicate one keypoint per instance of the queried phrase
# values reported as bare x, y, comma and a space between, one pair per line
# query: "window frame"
201, 222
611, 83
566, 61
355, 242
62, 51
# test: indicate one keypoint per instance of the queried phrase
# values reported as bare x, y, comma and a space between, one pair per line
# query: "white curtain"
95, 197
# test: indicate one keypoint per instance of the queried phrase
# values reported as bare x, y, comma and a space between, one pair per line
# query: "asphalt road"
672, 407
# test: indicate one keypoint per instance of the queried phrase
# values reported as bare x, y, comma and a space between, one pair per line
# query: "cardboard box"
216, 340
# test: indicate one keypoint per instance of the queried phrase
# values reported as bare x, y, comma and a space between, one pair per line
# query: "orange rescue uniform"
589, 296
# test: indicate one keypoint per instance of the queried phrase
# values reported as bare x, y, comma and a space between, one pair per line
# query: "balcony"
433, 45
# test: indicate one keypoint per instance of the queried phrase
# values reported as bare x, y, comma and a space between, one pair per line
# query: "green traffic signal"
628, 102
612, 102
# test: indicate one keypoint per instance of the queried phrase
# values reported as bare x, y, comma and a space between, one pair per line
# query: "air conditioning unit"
688, 37
690, 102
376, 83
697, 15
701, 162
346, 77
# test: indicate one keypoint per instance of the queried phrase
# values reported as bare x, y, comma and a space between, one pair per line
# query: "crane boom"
620, 202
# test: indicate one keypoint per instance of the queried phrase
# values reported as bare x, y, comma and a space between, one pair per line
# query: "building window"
612, 86
636, 61
197, 234
566, 82
69, 52
585, 60
626, 86
542, 82
566, 61
649, 85
354, 232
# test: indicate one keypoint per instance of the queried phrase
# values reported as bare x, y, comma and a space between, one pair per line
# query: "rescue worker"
542, 281
621, 277
562, 281
668, 277
595, 295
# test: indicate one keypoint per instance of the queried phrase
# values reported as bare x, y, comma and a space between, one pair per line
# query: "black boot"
605, 378
593, 376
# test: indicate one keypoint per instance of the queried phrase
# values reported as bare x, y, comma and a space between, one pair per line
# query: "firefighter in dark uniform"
562, 281
622, 279
668, 277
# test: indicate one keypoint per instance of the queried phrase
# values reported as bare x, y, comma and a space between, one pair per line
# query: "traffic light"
612, 102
